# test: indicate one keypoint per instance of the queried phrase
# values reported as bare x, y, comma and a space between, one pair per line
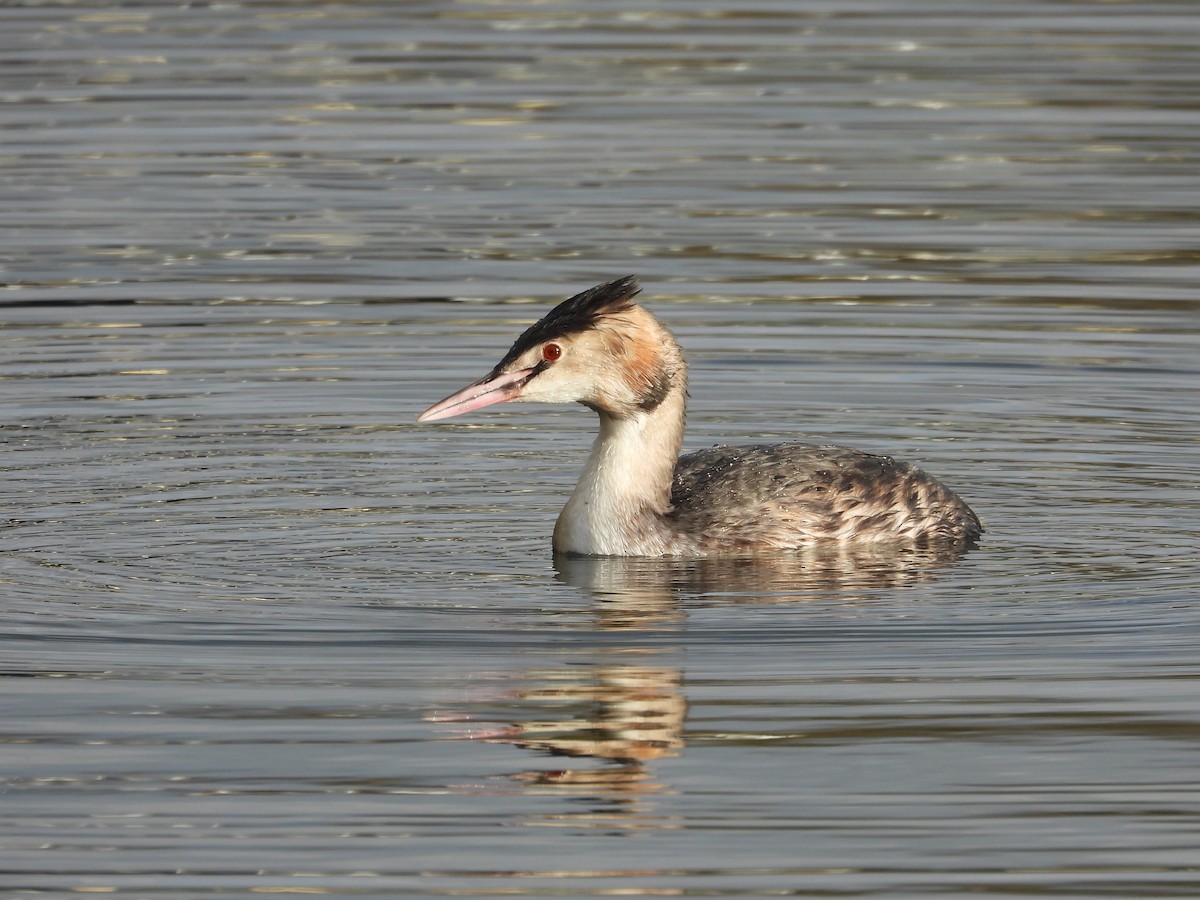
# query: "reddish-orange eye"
551, 352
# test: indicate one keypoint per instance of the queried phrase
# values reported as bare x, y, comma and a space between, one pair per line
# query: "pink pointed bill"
485, 392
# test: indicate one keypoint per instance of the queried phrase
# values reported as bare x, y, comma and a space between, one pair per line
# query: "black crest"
579, 313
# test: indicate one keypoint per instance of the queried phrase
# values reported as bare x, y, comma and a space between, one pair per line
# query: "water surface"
264, 634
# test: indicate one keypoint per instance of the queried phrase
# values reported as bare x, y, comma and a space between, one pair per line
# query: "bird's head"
598, 348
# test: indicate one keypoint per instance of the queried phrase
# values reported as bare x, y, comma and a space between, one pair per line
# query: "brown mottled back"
790, 495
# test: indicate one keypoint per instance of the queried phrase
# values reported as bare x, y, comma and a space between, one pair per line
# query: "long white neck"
625, 489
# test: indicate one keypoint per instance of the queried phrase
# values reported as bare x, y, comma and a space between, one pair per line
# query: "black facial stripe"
537, 370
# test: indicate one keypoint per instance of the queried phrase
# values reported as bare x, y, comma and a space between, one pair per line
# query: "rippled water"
263, 634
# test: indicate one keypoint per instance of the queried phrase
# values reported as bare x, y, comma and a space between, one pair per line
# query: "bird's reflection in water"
648, 590
625, 714
614, 706
624, 706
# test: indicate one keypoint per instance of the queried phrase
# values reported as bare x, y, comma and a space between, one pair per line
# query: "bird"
636, 496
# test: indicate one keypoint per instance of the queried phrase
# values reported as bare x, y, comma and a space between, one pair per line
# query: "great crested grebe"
638, 497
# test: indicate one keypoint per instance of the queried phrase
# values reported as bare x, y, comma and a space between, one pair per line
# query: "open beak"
484, 392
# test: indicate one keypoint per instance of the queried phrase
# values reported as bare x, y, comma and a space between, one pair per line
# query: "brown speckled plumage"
637, 497
792, 495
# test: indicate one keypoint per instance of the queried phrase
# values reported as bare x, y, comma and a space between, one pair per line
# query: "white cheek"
556, 387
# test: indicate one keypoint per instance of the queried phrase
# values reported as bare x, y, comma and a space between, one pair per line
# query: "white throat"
618, 505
